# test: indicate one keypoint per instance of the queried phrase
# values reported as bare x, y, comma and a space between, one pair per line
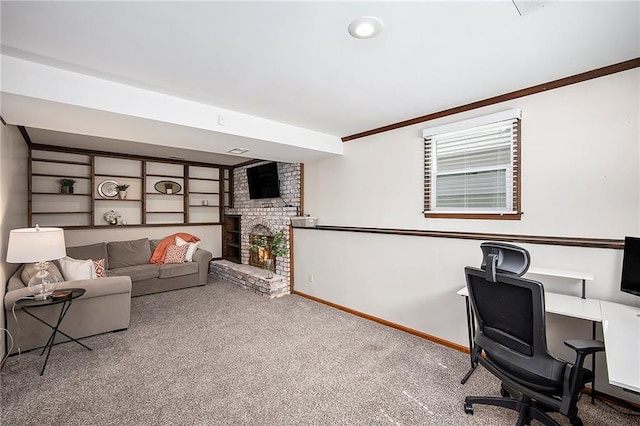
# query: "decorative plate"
107, 189
164, 185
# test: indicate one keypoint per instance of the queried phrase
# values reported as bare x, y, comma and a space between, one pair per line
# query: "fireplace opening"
259, 258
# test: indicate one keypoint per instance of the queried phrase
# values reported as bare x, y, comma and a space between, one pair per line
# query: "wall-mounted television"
263, 181
631, 266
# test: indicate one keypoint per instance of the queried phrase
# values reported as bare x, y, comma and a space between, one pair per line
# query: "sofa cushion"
137, 273
77, 269
175, 254
91, 251
101, 271
30, 270
128, 253
178, 269
192, 248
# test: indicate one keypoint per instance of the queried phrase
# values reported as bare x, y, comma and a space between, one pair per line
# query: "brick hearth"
250, 278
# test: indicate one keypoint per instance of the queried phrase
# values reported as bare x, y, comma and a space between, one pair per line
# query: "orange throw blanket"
161, 249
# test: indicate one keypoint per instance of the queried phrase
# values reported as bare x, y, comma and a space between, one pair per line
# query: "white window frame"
455, 132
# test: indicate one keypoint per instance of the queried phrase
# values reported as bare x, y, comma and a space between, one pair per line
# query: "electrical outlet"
310, 278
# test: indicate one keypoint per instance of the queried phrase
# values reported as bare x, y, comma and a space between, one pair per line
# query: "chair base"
527, 410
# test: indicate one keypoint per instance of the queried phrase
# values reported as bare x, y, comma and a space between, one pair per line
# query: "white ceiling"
295, 63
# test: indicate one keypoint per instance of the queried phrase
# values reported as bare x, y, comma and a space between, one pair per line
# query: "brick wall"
274, 213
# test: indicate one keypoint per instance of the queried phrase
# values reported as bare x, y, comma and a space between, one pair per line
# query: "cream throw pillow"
192, 248
74, 269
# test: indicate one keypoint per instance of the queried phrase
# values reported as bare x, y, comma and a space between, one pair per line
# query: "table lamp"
37, 245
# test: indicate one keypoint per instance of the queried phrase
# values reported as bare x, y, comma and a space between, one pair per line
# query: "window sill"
484, 216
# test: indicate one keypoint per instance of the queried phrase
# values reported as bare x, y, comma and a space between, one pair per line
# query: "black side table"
27, 304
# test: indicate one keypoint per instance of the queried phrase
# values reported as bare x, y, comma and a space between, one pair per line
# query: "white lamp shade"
35, 245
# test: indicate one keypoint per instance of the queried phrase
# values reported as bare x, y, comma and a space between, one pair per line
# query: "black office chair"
511, 334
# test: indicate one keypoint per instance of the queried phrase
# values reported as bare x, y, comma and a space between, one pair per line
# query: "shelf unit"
203, 204
231, 248
200, 200
47, 205
122, 171
161, 207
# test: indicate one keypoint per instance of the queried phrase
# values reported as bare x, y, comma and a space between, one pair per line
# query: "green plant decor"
279, 246
67, 182
122, 187
258, 242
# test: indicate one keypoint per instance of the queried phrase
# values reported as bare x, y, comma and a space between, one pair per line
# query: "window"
472, 168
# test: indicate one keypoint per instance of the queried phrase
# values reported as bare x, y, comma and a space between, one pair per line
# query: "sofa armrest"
15, 281
95, 287
202, 258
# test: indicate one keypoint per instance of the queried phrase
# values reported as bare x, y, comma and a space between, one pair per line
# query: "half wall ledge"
250, 278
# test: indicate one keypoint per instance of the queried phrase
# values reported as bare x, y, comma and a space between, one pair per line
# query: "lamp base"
41, 296
43, 283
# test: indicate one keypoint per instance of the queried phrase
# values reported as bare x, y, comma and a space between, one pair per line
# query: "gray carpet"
220, 355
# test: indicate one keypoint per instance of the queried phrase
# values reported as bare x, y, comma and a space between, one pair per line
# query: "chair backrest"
510, 313
506, 258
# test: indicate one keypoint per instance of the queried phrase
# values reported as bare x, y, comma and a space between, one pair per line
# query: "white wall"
13, 199
580, 178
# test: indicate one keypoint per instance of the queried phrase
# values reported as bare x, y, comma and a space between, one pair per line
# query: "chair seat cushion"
543, 374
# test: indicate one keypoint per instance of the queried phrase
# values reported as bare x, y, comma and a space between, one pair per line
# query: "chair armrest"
585, 346
573, 375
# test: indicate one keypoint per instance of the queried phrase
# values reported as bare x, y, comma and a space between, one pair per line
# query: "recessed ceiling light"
365, 27
238, 151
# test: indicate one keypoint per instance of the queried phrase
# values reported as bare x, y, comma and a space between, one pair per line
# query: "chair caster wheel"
575, 421
468, 408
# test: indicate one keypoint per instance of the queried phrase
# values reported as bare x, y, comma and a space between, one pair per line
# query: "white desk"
582, 276
621, 328
572, 306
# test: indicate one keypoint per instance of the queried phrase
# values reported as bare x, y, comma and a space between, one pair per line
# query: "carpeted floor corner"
220, 355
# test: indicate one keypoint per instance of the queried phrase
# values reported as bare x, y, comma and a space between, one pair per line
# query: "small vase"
113, 222
268, 268
122, 195
169, 191
64, 190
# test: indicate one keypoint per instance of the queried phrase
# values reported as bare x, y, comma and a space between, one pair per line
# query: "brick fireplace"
258, 258
264, 217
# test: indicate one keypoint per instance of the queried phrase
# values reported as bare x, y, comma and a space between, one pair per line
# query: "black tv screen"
631, 266
263, 181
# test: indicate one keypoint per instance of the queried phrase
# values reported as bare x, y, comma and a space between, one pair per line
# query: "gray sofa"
106, 304
104, 307
131, 258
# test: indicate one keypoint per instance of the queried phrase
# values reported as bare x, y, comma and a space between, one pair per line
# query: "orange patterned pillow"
98, 265
175, 254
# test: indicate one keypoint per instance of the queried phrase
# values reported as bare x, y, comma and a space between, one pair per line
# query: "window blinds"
473, 169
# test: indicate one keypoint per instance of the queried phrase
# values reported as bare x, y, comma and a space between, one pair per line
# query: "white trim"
515, 113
